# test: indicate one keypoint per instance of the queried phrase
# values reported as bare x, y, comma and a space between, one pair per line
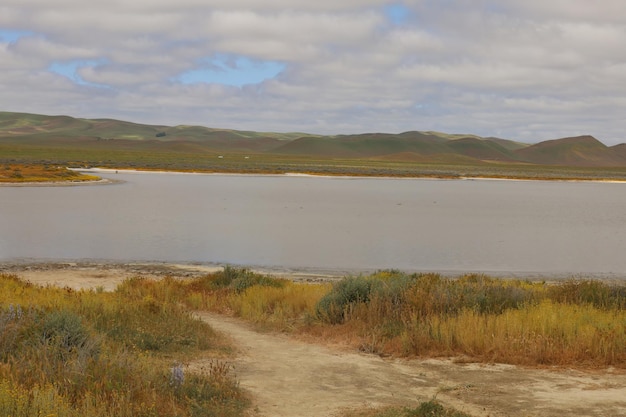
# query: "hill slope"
582, 151
427, 146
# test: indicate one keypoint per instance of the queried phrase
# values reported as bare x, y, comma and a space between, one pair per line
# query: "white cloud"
527, 70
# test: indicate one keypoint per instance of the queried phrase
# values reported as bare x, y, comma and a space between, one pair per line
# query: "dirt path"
291, 378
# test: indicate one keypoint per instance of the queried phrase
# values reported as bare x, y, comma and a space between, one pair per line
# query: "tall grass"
87, 353
543, 333
575, 322
275, 302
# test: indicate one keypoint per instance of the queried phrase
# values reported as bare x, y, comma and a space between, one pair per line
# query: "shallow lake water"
353, 224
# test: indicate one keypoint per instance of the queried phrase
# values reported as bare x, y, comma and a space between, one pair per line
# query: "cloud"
526, 70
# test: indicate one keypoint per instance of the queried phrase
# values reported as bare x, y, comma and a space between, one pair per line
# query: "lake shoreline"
108, 181
340, 176
43, 267
101, 181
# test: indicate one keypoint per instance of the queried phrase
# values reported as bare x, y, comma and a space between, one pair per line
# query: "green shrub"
433, 409
345, 293
430, 408
64, 329
596, 293
391, 286
247, 279
433, 294
237, 279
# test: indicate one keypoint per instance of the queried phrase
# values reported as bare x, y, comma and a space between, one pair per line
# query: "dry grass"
22, 173
574, 323
91, 353
95, 354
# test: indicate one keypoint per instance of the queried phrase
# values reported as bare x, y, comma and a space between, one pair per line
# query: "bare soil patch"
289, 377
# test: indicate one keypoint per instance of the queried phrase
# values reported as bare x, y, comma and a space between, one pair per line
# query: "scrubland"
120, 353
577, 322
67, 353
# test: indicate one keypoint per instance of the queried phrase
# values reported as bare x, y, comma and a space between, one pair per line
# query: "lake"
347, 224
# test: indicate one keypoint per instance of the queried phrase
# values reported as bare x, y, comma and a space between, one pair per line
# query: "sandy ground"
291, 378
108, 275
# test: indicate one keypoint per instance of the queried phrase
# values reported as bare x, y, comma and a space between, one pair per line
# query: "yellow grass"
546, 333
522, 322
22, 173
69, 353
285, 307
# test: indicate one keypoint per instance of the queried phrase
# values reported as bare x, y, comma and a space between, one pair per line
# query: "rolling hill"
418, 146
581, 151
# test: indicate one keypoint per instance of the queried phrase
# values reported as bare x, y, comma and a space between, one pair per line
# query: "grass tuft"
430, 408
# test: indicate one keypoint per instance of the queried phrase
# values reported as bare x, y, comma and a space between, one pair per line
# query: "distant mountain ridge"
418, 146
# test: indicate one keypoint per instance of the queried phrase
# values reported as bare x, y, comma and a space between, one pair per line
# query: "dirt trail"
291, 378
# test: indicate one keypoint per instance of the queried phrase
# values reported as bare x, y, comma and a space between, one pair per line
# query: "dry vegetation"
426, 409
23, 173
68, 353
118, 353
580, 323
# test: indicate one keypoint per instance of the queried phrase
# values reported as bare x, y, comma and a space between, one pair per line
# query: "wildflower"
178, 376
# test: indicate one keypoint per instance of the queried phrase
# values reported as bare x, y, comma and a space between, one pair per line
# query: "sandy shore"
101, 181
297, 174
107, 275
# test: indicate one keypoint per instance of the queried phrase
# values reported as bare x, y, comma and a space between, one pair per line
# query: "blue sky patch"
397, 13
69, 69
7, 35
235, 71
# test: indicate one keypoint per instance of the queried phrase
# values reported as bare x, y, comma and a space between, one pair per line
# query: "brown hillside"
582, 151
481, 149
620, 150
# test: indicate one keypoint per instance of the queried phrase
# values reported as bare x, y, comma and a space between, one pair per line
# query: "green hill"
41, 133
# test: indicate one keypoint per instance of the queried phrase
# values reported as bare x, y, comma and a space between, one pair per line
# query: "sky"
527, 70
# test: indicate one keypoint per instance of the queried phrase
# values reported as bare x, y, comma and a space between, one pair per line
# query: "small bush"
345, 293
433, 294
596, 293
247, 279
64, 329
433, 409
430, 408
238, 279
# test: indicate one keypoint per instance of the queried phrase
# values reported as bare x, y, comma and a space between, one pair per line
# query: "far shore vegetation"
27, 169
63, 141
19, 173
94, 353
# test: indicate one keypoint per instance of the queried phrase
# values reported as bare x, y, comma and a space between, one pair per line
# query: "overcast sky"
528, 70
